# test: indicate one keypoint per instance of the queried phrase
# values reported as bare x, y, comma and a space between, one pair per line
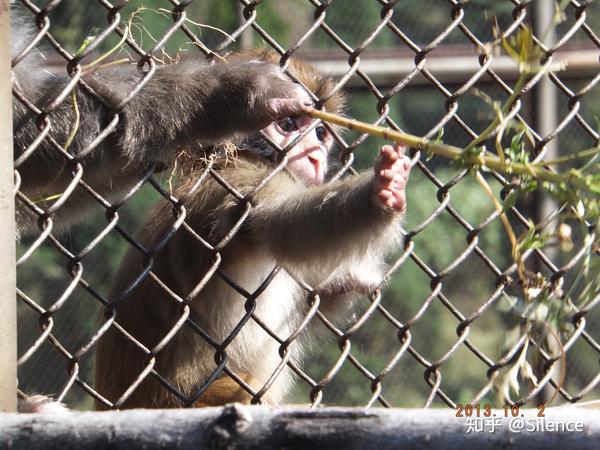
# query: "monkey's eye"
321, 133
288, 125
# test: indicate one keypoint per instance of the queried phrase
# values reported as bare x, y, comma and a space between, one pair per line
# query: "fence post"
545, 122
246, 37
545, 100
8, 308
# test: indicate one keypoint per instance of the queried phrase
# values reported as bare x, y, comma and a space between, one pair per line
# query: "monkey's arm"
326, 229
193, 102
186, 103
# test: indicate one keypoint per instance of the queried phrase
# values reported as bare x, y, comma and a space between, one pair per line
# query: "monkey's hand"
391, 174
259, 93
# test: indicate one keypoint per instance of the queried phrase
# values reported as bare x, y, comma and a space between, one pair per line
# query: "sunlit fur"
329, 236
191, 104
332, 237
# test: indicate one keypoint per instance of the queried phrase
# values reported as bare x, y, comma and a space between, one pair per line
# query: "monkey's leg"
226, 390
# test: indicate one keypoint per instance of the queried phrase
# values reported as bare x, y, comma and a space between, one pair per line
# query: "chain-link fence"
452, 323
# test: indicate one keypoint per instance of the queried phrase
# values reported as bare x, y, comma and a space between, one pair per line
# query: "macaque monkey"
191, 104
331, 236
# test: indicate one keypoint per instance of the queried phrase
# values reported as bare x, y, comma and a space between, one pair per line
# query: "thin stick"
388, 134
484, 159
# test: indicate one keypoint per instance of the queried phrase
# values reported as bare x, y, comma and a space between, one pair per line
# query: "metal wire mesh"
439, 331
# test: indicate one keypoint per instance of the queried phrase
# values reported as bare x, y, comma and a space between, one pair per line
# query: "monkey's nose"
317, 162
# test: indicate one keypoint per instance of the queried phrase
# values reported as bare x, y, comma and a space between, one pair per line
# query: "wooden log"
257, 427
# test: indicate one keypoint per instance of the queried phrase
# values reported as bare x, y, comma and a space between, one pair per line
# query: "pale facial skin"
308, 160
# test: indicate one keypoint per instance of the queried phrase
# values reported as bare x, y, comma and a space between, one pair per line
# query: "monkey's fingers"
281, 108
392, 162
389, 160
404, 160
389, 175
387, 152
397, 149
389, 190
286, 98
395, 200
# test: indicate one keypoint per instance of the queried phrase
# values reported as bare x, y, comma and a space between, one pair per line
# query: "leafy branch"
477, 157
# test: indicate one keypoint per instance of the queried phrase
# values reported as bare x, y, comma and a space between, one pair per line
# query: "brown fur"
225, 390
186, 105
316, 82
345, 235
331, 237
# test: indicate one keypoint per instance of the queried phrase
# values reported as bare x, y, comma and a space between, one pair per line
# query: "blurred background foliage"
417, 108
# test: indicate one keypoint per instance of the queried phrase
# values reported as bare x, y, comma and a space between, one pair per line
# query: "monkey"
330, 238
192, 103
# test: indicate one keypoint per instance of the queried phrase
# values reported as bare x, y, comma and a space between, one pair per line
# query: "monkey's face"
308, 158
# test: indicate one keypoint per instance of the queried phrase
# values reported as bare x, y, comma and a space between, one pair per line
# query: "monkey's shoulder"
253, 171
238, 177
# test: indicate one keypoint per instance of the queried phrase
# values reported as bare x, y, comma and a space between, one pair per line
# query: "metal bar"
246, 37
387, 70
545, 121
8, 308
544, 93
